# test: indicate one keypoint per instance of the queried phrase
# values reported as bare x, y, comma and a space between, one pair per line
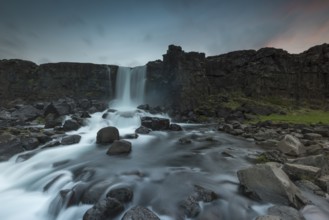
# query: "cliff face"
185, 79
181, 80
30, 82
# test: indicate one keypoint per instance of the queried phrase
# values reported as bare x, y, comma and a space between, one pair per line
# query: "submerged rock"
107, 135
155, 123
72, 139
105, 209
119, 147
122, 194
139, 212
142, 130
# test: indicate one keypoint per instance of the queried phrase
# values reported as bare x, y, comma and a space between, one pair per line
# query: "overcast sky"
133, 32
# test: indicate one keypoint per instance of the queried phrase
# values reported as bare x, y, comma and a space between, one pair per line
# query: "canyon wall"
181, 80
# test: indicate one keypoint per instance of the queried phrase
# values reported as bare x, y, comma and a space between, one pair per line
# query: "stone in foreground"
119, 147
107, 135
267, 182
105, 209
139, 212
290, 145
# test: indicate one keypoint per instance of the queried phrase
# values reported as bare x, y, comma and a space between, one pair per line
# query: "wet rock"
298, 171
71, 125
144, 107
155, 123
142, 130
312, 136
285, 212
85, 114
119, 147
139, 212
85, 174
185, 140
311, 187
290, 145
107, 135
9, 146
58, 109
26, 113
72, 139
42, 138
130, 136
269, 183
122, 194
94, 193
323, 183
205, 195
268, 217
52, 121
53, 143
105, 209
30, 143
190, 207
175, 127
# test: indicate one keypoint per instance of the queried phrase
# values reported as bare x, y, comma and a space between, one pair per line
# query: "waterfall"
129, 92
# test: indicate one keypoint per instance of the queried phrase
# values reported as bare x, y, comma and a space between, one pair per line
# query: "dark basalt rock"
71, 125
175, 127
72, 139
140, 212
122, 194
105, 209
155, 123
142, 130
107, 135
119, 147
26, 113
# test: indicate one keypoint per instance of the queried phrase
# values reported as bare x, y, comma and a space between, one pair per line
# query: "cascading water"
53, 183
129, 88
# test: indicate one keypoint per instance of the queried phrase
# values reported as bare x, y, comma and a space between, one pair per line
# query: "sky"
133, 32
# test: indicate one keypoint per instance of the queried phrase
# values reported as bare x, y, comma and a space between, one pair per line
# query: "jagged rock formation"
47, 82
182, 80
186, 78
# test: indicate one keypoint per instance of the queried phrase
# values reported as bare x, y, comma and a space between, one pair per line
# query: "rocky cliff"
182, 80
27, 81
185, 79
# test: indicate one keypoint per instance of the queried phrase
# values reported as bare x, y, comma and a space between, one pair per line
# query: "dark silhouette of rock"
107, 135
119, 147
71, 125
155, 123
142, 130
122, 194
72, 139
105, 209
140, 212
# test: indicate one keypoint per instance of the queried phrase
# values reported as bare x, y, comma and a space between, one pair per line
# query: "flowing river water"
161, 170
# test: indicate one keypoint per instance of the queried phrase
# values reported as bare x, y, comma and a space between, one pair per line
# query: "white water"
166, 170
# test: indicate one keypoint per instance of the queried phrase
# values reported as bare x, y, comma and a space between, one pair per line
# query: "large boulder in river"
71, 125
267, 182
105, 209
26, 113
72, 139
290, 145
107, 135
139, 212
155, 123
119, 147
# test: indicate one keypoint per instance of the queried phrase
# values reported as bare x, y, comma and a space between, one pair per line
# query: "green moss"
299, 117
40, 120
262, 159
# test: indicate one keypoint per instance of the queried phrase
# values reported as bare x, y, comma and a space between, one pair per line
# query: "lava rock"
105, 209
139, 212
107, 135
72, 139
119, 147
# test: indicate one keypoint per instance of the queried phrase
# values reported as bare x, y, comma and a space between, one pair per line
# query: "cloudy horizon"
131, 33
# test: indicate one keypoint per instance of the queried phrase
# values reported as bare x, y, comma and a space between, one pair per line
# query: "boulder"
119, 147
107, 135
72, 139
285, 212
122, 194
175, 127
71, 125
268, 217
9, 146
307, 185
58, 109
94, 193
105, 209
269, 183
139, 212
290, 145
52, 120
299, 171
320, 160
155, 123
26, 113
142, 130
